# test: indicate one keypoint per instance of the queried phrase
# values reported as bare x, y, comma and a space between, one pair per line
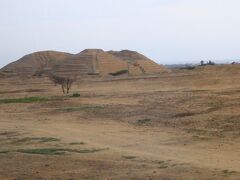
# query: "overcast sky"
168, 31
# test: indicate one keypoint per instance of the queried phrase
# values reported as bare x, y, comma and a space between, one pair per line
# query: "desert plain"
183, 124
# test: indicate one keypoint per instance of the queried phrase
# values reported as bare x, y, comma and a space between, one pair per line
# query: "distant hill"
89, 61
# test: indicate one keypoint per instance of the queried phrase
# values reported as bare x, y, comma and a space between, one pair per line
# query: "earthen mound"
35, 61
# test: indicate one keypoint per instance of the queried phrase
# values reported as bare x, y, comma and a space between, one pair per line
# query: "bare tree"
65, 82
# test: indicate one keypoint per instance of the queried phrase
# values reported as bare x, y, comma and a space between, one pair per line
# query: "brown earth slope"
128, 55
133, 58
35, 61
2, 74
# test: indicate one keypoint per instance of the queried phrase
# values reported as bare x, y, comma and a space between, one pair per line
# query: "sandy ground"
171, 126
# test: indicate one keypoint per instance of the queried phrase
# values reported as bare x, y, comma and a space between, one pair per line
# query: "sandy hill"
89, 61
35, 61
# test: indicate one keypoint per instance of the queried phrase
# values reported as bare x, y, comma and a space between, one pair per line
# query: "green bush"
24, 100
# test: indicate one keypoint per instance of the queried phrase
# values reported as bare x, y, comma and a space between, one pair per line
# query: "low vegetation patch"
45, 151
163, 167
143, 121
129, 157
22, 91
161, 162
76, 143
82, 108
35, 139
57, 151
228, 172
4, 152
85, 150
24, 100
8, 133
124, 71
184, 114
75, 95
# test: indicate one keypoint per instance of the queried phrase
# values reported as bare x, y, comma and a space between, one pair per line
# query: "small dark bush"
184, 114
129, 157
189, 67
46, 151
124, 71
4, 152
143, 121
75, 95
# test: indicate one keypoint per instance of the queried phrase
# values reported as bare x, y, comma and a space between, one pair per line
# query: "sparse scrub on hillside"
136, 65
121, 72
77, 143
4, 152
74, 95
184, 114
28, 140
228, 171
143, 121
129, 157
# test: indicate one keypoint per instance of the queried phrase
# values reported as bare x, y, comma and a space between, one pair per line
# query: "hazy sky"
168, 31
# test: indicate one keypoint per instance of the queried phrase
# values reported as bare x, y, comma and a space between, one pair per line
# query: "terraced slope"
2, 74
91, 61
137, 60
